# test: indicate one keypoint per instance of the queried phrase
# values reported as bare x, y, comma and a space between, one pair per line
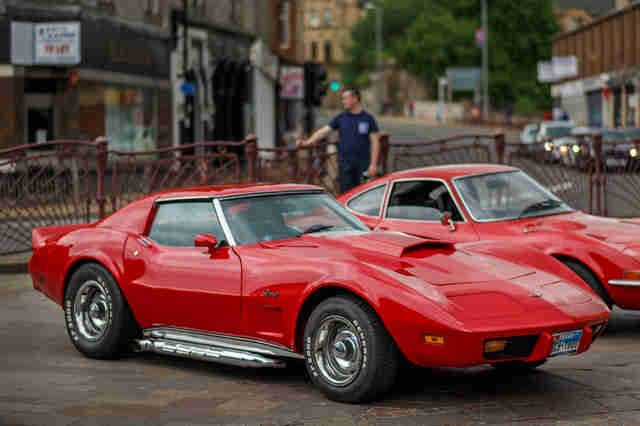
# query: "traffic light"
315, 83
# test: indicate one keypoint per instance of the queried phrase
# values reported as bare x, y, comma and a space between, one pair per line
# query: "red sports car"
493, 202
257, 275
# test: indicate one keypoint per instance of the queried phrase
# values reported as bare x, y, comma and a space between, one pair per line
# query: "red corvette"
257, 275
492, 202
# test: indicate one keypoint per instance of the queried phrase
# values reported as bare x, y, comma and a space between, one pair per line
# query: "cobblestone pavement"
45, 381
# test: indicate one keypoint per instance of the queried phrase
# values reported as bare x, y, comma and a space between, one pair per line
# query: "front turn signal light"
631, 275
491, 346
434, 340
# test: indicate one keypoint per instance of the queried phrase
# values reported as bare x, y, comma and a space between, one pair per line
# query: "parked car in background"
551, 130
619, 147
481, 202
257, 275
528, 134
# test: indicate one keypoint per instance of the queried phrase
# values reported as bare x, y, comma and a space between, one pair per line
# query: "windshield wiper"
317, 228
540, 205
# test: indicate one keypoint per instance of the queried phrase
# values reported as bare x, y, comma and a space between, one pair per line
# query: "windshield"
558, 132
276, 217
507, 196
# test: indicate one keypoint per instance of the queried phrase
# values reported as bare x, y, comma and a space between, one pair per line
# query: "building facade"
605, 91
327, 33
277, 59
119, 71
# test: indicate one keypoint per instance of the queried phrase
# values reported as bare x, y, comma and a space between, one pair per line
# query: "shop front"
82, 77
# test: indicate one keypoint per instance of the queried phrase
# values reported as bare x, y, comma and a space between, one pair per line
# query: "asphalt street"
45, 381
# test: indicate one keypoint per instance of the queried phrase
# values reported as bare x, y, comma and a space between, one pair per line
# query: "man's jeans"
351, 175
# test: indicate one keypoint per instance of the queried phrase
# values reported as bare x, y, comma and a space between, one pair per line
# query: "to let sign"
57, 43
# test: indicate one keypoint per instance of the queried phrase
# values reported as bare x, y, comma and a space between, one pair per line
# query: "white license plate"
616, 162
566, 343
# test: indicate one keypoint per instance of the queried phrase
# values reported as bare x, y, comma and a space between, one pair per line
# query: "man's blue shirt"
354, 130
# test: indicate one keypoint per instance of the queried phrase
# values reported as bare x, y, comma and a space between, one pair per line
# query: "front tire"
97, 316
349, 354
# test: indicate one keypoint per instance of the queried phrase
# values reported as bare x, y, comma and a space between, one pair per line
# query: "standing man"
359, 144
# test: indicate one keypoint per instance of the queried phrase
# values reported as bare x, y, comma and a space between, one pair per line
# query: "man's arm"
375, 154
319, 134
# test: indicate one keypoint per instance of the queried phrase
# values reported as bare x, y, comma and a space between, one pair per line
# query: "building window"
328, 58
328, 17
314, 50
314, 22
130, 118
284, 23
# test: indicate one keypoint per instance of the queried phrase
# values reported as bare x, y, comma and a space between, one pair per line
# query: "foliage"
426, 37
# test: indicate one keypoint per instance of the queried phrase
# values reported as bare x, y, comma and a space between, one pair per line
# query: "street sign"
188, 88
57, 43
559, 68
479, 37
292, 82
545, 72
464, 79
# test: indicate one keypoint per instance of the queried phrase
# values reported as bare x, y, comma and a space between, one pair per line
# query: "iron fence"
64, 182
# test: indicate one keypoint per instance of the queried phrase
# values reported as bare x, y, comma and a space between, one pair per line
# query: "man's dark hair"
354, 91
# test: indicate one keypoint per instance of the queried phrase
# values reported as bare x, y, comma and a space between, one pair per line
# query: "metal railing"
62, 182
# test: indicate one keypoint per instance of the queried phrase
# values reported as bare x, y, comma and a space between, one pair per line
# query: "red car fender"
407, 316
109, 255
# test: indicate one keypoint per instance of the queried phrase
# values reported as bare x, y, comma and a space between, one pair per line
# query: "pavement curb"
15, 263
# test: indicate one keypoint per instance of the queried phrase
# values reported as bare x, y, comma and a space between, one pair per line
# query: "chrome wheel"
337, 350
91, 311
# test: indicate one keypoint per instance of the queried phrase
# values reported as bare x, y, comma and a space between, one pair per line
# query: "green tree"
426, 37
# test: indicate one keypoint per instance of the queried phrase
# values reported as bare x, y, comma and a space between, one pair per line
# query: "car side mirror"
206, 240
445, 219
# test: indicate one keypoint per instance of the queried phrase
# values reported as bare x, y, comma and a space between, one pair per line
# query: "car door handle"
382, 228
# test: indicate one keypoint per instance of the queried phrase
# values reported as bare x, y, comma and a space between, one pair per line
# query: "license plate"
616, 162
566, 343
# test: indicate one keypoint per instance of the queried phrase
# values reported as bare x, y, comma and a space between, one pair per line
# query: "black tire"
517, 367
98, 319
352, 327
591, 280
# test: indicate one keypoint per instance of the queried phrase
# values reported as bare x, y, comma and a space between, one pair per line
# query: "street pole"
485, 62
379, 56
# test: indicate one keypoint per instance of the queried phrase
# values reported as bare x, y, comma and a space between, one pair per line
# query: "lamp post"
485, 63
379, 66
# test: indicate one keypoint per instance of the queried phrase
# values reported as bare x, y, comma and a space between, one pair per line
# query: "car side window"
177, 223
368, 203
421, 200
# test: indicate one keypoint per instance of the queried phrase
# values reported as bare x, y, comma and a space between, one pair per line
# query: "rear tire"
97, 316
349, 354
591, 280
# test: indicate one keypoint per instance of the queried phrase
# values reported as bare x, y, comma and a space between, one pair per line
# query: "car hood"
466, 281
623, 233
437, 262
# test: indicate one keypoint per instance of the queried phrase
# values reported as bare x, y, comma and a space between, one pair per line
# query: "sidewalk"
15, 263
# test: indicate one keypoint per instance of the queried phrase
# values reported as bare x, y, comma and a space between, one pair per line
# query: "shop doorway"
39, 118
